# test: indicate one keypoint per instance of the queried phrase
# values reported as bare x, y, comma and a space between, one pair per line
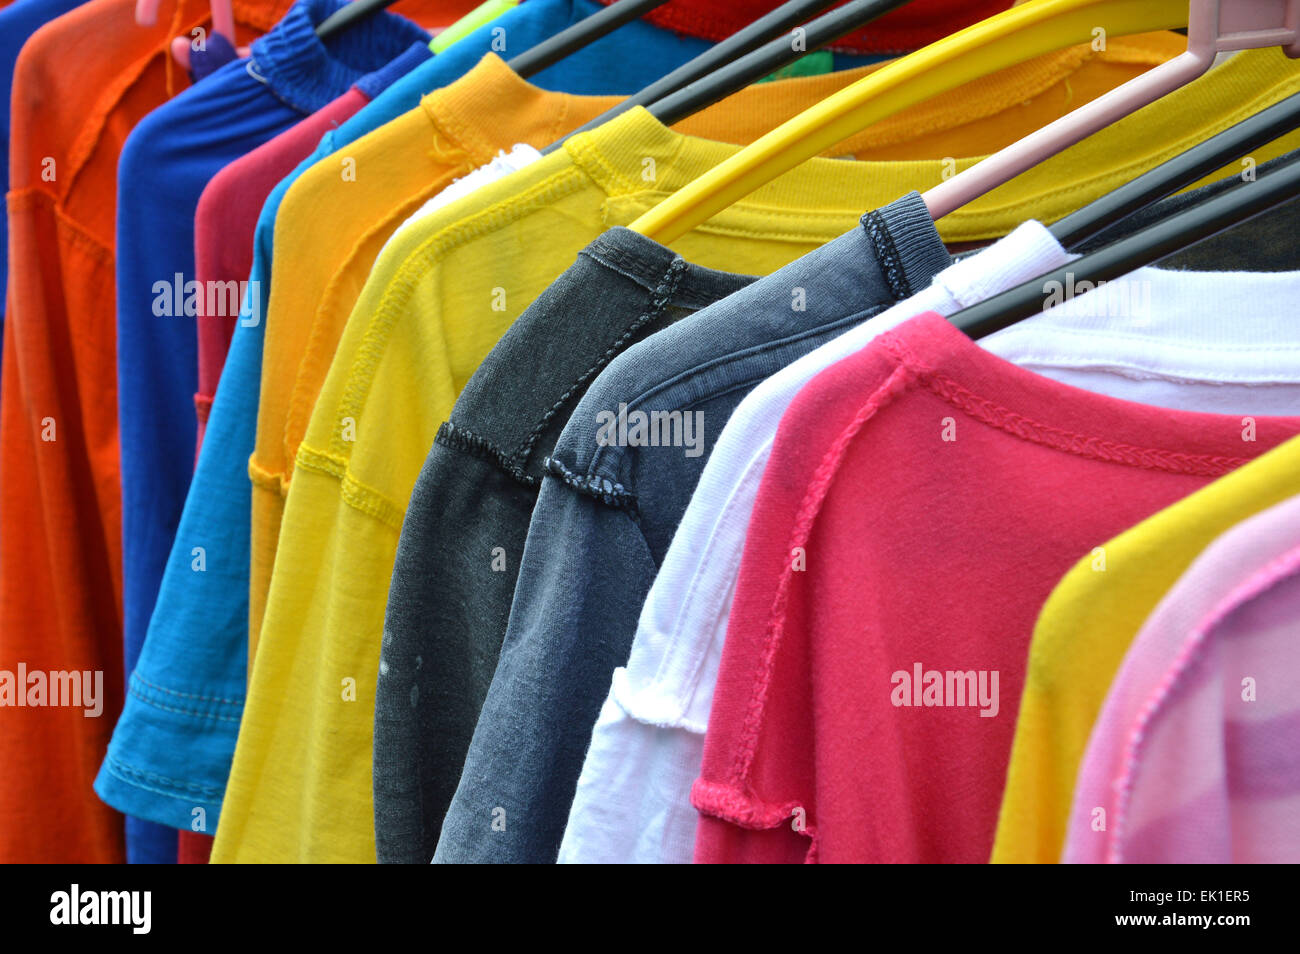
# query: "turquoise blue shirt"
167, 160
171, 751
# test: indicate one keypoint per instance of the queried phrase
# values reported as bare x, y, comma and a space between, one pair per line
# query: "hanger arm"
768, 27
146, 12
585, 31
1214, 26
1006, 39
767, 59
1146, 247
349, 14
1179, 172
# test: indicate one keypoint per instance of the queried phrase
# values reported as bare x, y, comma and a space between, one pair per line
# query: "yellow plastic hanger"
1006, 39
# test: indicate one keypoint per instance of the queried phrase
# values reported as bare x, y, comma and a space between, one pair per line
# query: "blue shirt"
165, 164
197, 643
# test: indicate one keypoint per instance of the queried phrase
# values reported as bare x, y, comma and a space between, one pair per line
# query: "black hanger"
1181, 171
768, 58
348, 14
785, 17
1279, 184
586, 31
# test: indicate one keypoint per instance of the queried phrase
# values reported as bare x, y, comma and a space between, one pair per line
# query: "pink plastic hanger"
223, 22
1213, 27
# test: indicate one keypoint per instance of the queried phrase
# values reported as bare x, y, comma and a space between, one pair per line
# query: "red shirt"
226, 220
909, 27
935, 494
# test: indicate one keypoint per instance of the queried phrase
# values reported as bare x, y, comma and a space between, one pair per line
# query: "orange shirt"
81, 84
60, 513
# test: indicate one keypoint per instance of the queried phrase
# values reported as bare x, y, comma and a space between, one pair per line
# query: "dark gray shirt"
464, 531
615, 487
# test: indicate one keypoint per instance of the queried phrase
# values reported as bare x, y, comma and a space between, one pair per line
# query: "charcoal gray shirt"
464, 531
614, 490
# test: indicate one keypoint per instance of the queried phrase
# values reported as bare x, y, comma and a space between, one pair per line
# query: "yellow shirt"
438, 299
1086, 627
330, 227
363, 193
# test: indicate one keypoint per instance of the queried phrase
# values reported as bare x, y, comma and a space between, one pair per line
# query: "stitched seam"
266, 479
191, 712
900, 380
91, 133
740, 807
1263, 580
635, 265
1037, 78
79, 236
467, 442
324, 334
755, 211
637, 269
743, 383
135, 776
659, 301
36, 200
684, 378
462, 135
1046, 435
417, 267
890, 262
601, 488
356, 494
237, 701
584, 153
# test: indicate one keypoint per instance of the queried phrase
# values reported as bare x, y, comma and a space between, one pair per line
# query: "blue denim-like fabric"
605, 515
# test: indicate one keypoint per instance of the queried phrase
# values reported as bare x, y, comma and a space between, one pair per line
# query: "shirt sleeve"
585, 572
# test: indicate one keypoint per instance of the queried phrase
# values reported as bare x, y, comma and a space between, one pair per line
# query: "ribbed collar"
306, 73
372, 84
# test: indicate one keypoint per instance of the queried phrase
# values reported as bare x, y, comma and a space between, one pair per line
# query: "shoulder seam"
466, 441
600, 488
660, 297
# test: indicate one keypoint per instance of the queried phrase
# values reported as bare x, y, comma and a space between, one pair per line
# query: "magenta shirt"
922, 499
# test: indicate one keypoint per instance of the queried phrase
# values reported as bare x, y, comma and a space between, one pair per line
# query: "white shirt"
1190, 340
